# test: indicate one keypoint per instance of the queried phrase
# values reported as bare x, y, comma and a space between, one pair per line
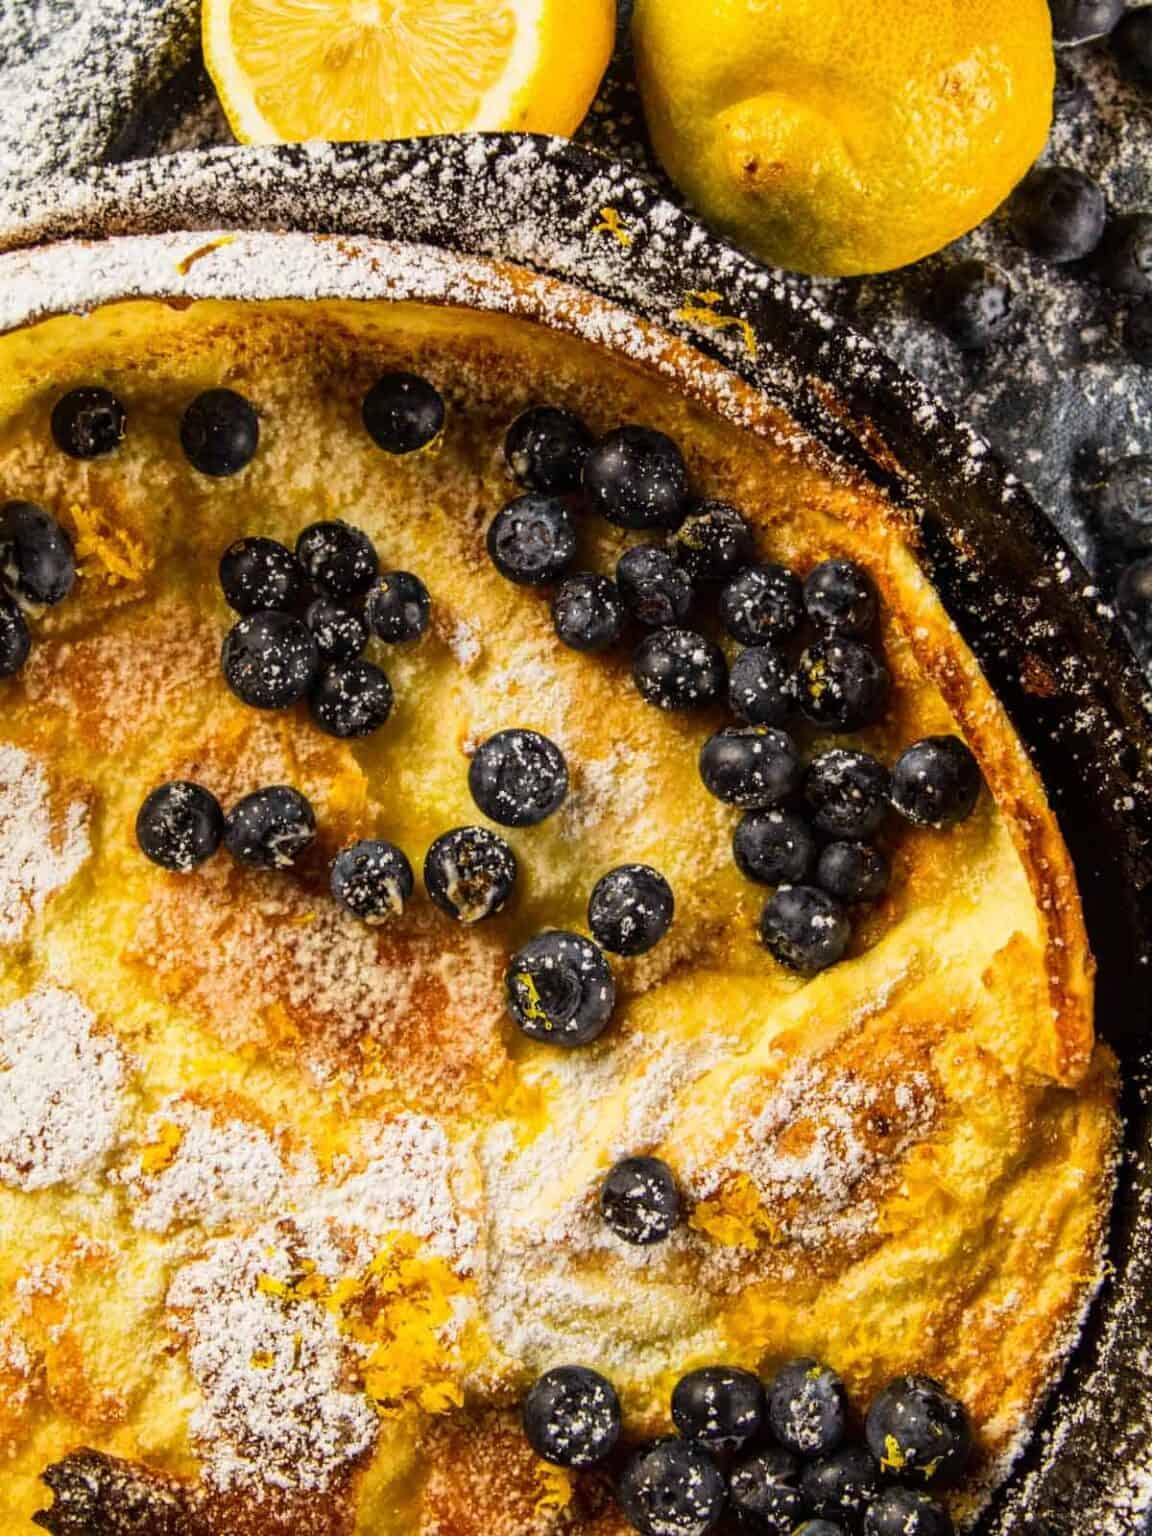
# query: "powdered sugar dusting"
40, 851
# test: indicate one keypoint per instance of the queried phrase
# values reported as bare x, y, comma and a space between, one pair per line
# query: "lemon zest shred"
185, 266
158, 1154
893, 1459
612, 224
535, 1009
735, 1218
262, 1360
556, 1488
699, 309
120, 555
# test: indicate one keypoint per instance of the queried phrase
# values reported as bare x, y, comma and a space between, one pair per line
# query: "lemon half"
292, 70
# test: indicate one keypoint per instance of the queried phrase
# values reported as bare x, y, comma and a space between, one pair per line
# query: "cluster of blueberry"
37, 570
776, 1461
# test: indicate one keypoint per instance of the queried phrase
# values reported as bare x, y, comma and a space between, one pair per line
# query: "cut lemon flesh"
291, 70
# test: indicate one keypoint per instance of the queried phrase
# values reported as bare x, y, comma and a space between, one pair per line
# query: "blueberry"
220, 433
630, 909
820, 1528
1134, 597
936, 782
15, 639
259, 573
847, 793
764, 1493
655, 589
762, 602
179, 826
774, 847
532, 541
1069, 93
804, 929
270, 659
588, 612
907, 1512
402, 413
843, 685
1132, 46
640, 1201
351, 699
338, 560
398, 607
560, 989
270, 828
1123, 503
672, 1488
853, 872
373, 880
918, 1432
1058, 213
546, 448
1075, 21
1124, 262
470, 873
839, 596
636, 478
974, 303
679, 669
37, 559
571, 1416
713, 542
88, 423
1138, 330
518, 778
842, 1485
340, 633
808, 1408
750, 765
720, 1406
762, 685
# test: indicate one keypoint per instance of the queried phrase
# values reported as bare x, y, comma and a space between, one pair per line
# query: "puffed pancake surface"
292, 1214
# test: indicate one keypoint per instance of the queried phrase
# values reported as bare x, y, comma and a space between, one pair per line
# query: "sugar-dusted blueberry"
1132, 46
843, 684
338, 560
88, 423
907, 1512
853, 872
15, 637
805, 929
341, 633
808, 1408
1076, 21
372, 879
37, 557
630, 909
402, 413
220, 433
571, 1416
398, 607
762, 685
1124, 260
636, 478
470, 873
672, 1488
351, 699
760, 603
640, 1201
840, 596
269, 659
847, 793
713, 542
1138, 327
721, 1406
764, 1493
560, 989
656, 590
545, 449
518, 778
918, 1431
532, 541
1122, 502
974, 304
679, 669
936, 782
1058, 213
774, 847
258, 573
750, 765
588, 612
179, 825
1134, 598
841, 1485
270, 828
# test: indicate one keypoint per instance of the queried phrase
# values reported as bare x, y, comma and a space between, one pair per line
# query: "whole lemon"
843, 136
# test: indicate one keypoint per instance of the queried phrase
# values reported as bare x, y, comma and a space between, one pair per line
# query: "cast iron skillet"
1019, 597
